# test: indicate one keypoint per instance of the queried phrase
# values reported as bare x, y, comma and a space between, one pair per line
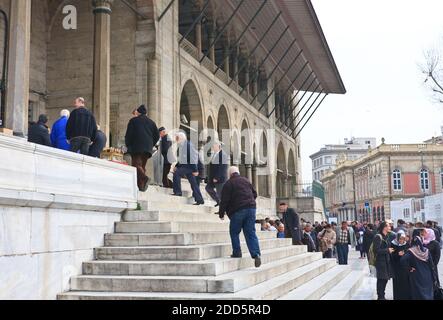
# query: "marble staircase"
171, 249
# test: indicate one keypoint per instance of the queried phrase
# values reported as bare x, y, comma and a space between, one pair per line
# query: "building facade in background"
363, 189
325, 159
198, 65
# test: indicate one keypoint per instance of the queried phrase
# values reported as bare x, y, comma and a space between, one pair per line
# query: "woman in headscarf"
400, 279
418, 263
433, 246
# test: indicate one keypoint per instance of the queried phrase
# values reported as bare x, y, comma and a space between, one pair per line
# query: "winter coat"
368, 237
81, 123
188, 156
324, 236
218, 168
58, 134
165, 145
141, 135
38, 133
237, 194
292, 225
98, 145
422, 281
383, 263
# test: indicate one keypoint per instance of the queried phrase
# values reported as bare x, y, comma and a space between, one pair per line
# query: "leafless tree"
432, 68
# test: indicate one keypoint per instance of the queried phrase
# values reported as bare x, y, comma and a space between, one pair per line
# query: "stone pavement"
368, 290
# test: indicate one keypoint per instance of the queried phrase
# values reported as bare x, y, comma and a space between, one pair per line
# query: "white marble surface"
39, 176
41, 248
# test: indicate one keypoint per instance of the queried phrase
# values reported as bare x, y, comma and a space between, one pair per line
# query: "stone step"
319, 286
270, 289
173, 239
142, 215
186, 253
226, 283
346, 288
178, 205
170, 227
211, 267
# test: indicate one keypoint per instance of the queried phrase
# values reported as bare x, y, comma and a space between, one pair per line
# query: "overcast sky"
377, 45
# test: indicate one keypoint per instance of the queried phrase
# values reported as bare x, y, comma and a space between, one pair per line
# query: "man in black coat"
98, 144
38, 132
165, 146
218, 170
81, 128
292, 224
238, 201
141, 136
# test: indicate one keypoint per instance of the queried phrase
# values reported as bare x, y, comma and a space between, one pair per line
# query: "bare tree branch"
432, 68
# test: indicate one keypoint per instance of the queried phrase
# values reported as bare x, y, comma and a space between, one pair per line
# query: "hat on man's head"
142, 109
161, 129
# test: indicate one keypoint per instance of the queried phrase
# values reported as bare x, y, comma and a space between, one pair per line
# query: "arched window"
424, 180
396, 180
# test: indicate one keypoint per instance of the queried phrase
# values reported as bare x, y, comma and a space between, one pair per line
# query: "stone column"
226, 58
255, 82
255, 179
212, 35
198, 31
249, 172
17, 93
235, 63
102, 62
247, 78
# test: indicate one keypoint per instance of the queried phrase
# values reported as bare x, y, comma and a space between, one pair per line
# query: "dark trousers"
139, 161
186, 172
381, 287
327, 254
342, 253
166, 182
244, 220
81, 144
214, 190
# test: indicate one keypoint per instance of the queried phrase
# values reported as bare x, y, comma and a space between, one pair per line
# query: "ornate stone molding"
102, 6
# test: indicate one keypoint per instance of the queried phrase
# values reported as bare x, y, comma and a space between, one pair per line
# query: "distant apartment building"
363, 189
325, 159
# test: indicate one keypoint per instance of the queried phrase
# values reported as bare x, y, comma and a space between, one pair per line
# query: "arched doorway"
223, 128
281, 172
246, 151
191, 117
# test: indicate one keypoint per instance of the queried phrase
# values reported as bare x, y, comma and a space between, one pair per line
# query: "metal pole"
290, 86
266, 58
197, 20
279, 81
321, 102
242, 34
222, 30
5, 67
277, 65
253, 50
309, 109
298, 91
166, 10
306, 100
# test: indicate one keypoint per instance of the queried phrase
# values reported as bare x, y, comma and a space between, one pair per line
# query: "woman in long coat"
383, 265
400, 279
418, 263
430, 242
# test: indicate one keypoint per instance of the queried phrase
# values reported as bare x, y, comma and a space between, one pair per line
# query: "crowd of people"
77, 131
408, 254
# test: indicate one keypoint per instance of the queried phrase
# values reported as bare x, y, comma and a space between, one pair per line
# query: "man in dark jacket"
238, 202
187, 166
292, 224
98, 144
141, 136
218, 170
38, 132
81, 128
165, 146
308, 239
